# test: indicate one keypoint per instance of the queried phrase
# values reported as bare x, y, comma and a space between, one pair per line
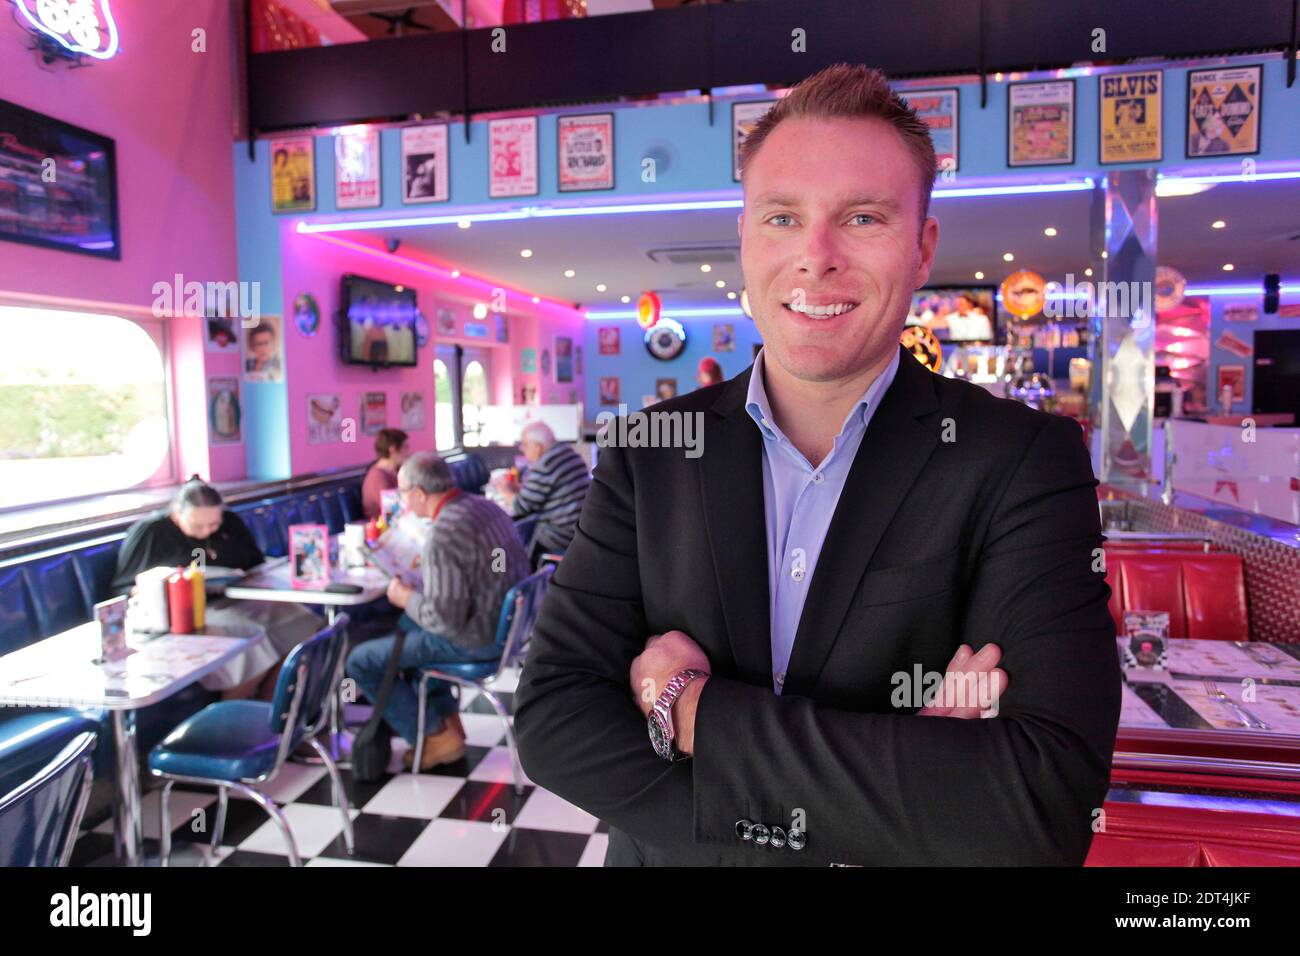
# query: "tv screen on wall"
378, 323
956, 313
58, 184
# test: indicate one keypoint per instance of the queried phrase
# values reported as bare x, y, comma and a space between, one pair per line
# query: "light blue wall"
638, 369
700, 161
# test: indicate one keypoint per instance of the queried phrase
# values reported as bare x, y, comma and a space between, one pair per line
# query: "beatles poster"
1040, 123
293, 174
1130, 112
586, 146
426, 168
374, 412
223, 411
356, 168
512, 157
743, 118
324, 419
937, 109
1223, 111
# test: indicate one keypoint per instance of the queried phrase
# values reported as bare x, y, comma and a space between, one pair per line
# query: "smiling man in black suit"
727, 668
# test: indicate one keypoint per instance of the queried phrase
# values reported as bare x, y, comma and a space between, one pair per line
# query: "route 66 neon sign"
82, 26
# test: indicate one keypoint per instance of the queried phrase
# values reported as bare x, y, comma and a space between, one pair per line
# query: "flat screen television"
377, 323
967, 313
58, 184
1276, 386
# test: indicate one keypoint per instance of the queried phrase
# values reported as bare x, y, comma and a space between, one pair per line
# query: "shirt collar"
760, 411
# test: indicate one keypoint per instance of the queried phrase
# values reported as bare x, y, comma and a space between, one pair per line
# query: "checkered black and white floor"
462, 814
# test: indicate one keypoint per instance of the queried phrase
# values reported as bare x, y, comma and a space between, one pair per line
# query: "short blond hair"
852, 92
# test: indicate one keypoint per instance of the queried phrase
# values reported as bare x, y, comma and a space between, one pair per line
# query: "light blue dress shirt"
799, 502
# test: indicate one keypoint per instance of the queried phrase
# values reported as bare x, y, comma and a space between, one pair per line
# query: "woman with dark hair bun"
198, 528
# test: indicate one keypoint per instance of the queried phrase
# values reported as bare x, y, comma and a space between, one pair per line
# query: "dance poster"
1223, 111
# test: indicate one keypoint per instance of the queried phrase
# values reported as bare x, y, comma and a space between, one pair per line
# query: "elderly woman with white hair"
554, 488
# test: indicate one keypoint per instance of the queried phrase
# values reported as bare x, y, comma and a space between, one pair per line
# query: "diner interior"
286, 241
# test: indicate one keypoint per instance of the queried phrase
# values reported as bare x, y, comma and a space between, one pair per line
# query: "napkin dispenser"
148, 610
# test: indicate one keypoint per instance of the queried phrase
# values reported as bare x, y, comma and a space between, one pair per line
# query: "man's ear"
929, 245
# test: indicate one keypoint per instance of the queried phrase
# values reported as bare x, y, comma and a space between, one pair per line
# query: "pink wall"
315, 264
176, 194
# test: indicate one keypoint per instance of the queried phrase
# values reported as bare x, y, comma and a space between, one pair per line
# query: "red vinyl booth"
1157, 835
1204, 593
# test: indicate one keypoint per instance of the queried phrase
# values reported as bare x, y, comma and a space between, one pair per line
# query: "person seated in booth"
390, 446
197, 524
472, 557
554, 488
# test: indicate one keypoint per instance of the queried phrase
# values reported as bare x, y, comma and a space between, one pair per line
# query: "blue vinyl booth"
47, 592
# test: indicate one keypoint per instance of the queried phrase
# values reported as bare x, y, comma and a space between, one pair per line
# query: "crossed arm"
1019, 788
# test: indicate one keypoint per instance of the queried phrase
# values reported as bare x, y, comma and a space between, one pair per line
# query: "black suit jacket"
964, 518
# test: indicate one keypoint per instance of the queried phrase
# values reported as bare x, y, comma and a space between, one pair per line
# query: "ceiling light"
464, 223
455, 273
1105, 254
1228, 267
526, 253
1167, 187
1008, 257
1218, 224
705, 267
1088, 271
480, 311
1049, 231
731, 295
720, 284
625, 298
536, 300
979, 275
569, 273
600, 287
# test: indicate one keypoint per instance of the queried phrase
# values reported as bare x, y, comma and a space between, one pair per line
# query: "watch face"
658, 735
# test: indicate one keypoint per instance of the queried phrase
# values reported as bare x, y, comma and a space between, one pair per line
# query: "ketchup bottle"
180, 602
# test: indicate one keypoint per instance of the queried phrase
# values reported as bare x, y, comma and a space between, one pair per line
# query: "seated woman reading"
197, 522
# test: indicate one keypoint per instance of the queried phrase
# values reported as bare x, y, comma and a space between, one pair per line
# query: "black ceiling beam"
597, 59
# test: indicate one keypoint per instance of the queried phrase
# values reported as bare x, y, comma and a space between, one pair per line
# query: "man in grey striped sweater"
472, 557
554, 488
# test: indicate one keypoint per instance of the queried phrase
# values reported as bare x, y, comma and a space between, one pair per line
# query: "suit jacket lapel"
731, 476
893, 451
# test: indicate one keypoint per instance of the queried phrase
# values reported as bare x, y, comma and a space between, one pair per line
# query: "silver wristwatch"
660, 720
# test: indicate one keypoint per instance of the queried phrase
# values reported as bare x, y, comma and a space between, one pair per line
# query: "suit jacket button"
761, 834
778, 837
744, 829
797, 839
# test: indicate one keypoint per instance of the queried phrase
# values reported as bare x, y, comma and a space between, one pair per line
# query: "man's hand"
981, 684
665, 655
398, 593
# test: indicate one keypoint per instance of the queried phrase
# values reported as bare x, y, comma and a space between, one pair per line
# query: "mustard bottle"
195, 576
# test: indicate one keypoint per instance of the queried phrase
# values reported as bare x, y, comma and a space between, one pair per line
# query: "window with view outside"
83, 405
442, 427
475, 397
